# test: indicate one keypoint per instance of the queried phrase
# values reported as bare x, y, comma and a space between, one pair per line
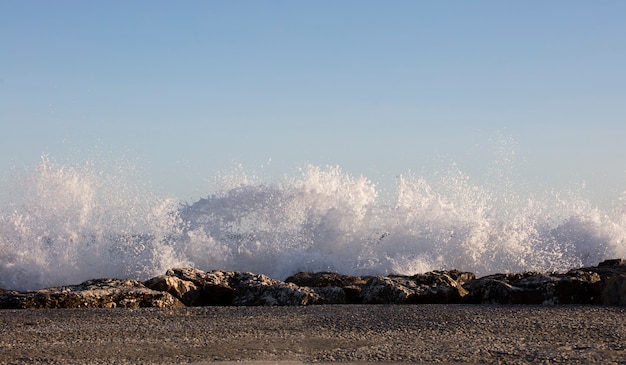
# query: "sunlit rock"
98, 293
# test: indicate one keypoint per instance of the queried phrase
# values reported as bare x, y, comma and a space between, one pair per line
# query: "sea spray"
67, 223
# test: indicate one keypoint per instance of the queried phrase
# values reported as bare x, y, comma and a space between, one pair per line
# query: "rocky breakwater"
604, 284
98, 293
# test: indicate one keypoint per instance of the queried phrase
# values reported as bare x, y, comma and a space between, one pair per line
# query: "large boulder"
98, 293
195, 287
258, 289
578, 286
432, 287
321, 279
524, 288
198, 288
613, 281
333, 288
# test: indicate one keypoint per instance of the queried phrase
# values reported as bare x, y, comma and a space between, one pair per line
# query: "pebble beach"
449, 334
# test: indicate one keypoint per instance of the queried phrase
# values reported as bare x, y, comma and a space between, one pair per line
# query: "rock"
320, 279
195, 287
185, 291
614, 292
602, 284
610, 288
431, 287
612, 263
98, 293
574, 287
491, 290
384, 290
333, 295
258, 289
461, 277
341, 288
578, 287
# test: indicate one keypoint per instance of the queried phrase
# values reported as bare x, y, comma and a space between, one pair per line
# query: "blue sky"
377, 87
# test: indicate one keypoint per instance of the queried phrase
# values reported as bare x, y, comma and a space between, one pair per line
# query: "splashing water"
66, 224
69, 223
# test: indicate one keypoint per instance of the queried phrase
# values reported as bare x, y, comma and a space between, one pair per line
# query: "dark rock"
613, 262
432, 287
614, 291
195, 287
490, 290
461, 277
521, 288
198, 288
578, 287
602, 284
258, 289
350, 285
319, 279
611, 273
99, 293
575, 287
332, 295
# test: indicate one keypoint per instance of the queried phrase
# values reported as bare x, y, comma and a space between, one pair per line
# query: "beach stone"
98, 293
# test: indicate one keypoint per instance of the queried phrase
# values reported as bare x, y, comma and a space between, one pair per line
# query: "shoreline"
430, 333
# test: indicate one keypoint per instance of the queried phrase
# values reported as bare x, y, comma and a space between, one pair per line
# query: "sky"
380, 88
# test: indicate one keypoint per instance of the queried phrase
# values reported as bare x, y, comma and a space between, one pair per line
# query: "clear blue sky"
377, 87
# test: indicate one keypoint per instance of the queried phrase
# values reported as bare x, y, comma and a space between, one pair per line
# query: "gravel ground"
346, 333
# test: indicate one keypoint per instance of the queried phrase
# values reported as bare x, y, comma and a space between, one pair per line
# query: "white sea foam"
68, 223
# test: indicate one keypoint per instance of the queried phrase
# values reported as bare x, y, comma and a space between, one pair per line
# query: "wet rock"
98, 293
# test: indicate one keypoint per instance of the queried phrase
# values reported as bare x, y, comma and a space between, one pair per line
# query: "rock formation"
99, 293
604, 284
